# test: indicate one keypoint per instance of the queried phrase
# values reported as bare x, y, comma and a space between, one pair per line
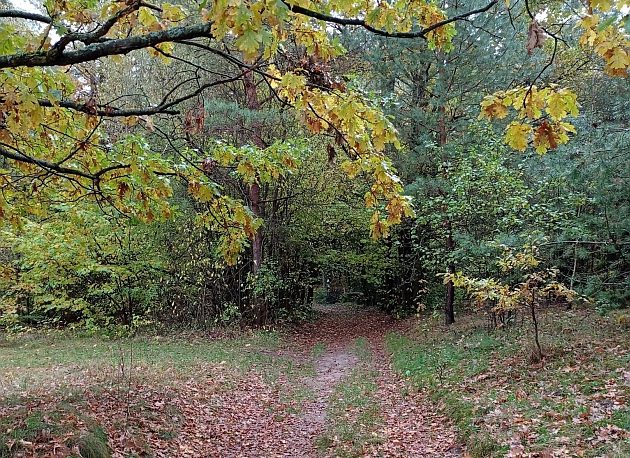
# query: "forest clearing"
314, 228
351, 383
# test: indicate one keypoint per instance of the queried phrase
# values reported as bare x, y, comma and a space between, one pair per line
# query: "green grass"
295, 396
26, 426
61, 348
58, 359
353, 413
621, 418
93, 444
30, 427
362, 349
481, 378
67, 369
319, 349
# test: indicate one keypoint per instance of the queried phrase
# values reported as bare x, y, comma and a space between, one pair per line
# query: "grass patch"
56, 359
362, 349
319, 349
48, 380
93, 444
295, 396
24, 426
62, 348
621, 418
498, 400
353, 413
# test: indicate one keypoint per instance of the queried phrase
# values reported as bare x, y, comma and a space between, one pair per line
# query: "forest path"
358, 405
322, 389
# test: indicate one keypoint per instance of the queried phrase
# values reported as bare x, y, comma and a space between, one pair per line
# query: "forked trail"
327, 390
353, 404
401, 423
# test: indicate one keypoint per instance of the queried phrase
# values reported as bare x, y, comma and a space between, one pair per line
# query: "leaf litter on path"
219, 412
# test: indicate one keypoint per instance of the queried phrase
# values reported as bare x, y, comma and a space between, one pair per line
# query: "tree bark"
252, 103
539, 353
449, 302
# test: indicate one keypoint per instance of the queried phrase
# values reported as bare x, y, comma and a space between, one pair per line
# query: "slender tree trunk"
252, 102
539, 354
449, 303
257, 248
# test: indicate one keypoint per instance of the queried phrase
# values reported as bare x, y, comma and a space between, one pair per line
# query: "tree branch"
362, 23
57, 168
98, 33
17, 14
98, 47
105, 48
50, 166
107, 111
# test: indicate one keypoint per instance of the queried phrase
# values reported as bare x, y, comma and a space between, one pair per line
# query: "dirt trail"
409, 426
317, 406
330, 369
252, 420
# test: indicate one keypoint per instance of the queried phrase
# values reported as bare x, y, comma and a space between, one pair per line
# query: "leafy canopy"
57, 147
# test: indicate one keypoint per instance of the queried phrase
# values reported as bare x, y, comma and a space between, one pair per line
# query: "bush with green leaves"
79, 265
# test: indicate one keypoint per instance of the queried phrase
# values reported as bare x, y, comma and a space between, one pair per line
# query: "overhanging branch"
106, 48
57, 168
47, 165
107, 111
362, 23
94, 36
17, 14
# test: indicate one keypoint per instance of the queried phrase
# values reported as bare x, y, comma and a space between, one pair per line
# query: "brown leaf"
90, 106
331, 152
535, 37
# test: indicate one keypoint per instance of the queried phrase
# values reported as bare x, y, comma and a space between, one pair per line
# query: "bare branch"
362, 23
17, 14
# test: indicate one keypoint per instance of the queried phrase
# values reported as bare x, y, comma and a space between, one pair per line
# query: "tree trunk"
252, 102
539, 353
257, 249
449, 303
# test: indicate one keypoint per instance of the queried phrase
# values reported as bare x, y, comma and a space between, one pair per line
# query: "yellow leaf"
619, 59
517, 135
246, 170
352, 168
545, 138
556, 106
370, 200
130, 121
603, 5
493, 107
172, 13
147, 20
